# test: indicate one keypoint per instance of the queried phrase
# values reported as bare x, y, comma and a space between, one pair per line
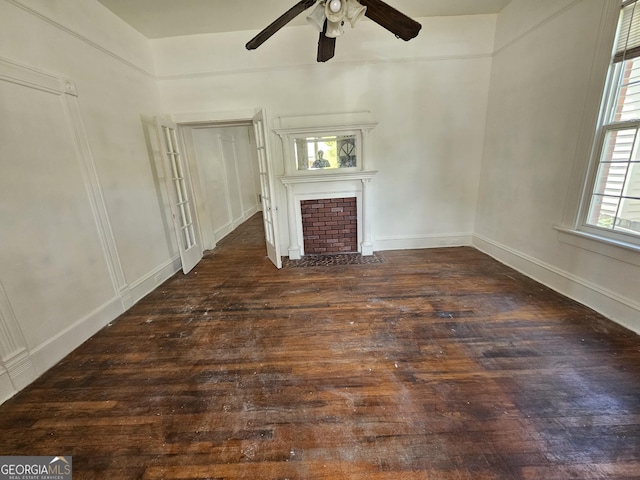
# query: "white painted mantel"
329, 185
335, 183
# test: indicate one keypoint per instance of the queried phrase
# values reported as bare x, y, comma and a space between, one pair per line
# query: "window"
614, 199
325, 144
335, 151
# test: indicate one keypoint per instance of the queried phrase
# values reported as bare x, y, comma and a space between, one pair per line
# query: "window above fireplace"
326, 152
315, 144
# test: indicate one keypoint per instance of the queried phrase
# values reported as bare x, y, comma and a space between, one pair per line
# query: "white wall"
429, 96
549, 67
85, 226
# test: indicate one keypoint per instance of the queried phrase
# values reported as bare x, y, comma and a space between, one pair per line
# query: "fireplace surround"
341, 141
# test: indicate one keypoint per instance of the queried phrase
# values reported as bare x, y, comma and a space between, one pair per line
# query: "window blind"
628, 41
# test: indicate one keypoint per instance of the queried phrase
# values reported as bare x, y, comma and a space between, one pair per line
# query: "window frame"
606, 124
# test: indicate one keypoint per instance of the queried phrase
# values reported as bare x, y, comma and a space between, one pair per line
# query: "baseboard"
6, 386
20, 369
145, 285
56, 348
615, 307
223, 231
230, 226
250, 212
26, 367
409, 242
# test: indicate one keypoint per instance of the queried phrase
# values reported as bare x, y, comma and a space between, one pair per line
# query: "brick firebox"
330, 225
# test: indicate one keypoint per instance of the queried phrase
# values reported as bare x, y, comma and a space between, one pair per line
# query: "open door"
185, 220
269, 210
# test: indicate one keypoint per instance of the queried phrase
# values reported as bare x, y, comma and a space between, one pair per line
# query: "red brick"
330, 225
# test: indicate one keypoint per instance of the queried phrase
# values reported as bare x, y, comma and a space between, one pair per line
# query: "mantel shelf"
327, 177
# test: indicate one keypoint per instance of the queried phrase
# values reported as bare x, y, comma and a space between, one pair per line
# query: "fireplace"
329, 204
321, 191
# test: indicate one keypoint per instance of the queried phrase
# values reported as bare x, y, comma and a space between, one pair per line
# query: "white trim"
322, 186
7, 389
359, 124
12, 340
21, 370
96, 198
625, 252
537, 26
622, 310
587, 145
221, 139
209, 119
27, 367
318, 123
224, 230
14, 354
147, 284
326, 177
22, 365
29, 77
316, 66
47, 354
20, 4
409, 242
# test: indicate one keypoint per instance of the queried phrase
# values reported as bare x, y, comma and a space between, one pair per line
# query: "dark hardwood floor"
436, 364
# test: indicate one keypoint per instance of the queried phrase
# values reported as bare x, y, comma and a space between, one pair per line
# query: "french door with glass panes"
269, 209
178, 181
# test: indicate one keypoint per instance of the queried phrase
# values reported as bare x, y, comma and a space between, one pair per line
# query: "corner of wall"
622, 310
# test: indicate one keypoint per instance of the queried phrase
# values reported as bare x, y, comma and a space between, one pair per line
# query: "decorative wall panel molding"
60, 96
13, 348
22, 5
33, 78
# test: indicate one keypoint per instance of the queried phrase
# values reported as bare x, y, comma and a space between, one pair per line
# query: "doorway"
224, 172
231, 178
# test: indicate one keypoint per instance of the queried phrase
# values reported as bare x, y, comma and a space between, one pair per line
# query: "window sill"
623, 251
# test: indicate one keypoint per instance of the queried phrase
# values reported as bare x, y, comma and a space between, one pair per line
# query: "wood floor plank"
434, 364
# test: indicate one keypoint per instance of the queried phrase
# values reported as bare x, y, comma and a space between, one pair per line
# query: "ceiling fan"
329, 16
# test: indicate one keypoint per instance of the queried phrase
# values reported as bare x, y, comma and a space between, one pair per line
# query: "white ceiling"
170, 18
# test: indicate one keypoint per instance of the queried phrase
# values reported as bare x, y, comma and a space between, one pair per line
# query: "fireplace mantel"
304, 181
323, 186
327, 177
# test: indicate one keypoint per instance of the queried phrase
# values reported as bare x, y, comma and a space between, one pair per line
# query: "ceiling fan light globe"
335, 16
355, 11
317, 17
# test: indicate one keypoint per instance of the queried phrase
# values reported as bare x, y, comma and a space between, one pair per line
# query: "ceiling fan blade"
396, 22
326, 45
278, 23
